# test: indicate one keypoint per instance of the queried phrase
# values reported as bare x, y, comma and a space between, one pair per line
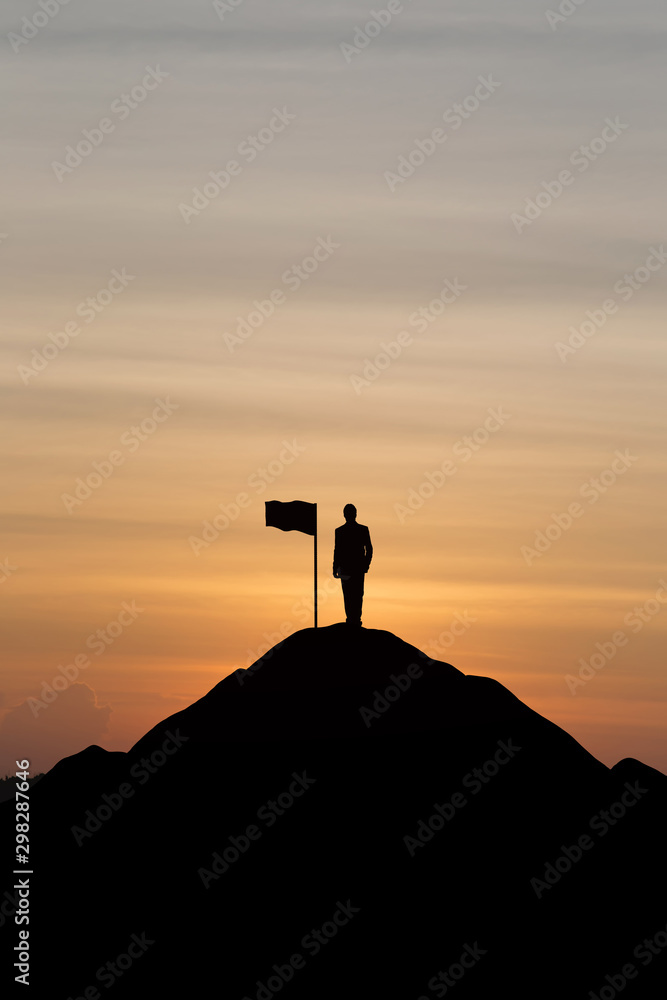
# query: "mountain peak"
348, 787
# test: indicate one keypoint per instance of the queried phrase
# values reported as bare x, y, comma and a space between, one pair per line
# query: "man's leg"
360, 595
346, 583
353, 595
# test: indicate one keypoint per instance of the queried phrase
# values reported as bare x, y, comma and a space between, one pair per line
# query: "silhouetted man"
352, 557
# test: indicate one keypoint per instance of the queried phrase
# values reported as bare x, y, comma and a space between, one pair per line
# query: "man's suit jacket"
352, 549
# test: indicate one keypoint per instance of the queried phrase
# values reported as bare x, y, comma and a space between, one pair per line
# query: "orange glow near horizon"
199, 617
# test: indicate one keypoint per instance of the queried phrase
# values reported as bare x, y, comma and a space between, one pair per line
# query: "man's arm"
369, 550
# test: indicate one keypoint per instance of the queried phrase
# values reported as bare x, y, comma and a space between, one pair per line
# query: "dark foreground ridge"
346, 819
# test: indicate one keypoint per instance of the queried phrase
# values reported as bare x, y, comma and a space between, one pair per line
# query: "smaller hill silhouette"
348, 817
8, 785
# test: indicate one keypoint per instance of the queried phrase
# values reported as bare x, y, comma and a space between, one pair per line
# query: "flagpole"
315, 562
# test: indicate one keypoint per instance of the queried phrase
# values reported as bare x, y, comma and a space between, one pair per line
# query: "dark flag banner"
295, 516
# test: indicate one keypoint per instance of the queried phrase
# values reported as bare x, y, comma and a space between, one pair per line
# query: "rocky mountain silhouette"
346, 818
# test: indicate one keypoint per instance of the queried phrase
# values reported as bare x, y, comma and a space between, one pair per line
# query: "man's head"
350, 512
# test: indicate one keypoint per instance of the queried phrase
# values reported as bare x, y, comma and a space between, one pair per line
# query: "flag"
295, 516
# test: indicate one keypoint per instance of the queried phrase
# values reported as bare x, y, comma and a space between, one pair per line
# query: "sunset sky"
371, 202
